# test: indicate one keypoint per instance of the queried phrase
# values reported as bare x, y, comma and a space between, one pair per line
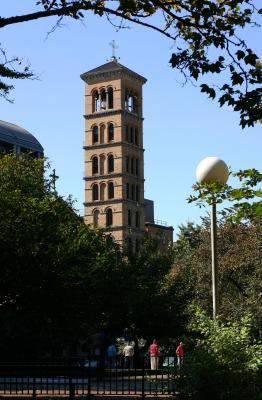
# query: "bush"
224, 364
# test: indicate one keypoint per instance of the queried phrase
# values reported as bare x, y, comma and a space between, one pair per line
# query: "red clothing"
180, 351
153, 349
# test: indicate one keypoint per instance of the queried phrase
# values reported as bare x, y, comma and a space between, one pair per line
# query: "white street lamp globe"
212, 169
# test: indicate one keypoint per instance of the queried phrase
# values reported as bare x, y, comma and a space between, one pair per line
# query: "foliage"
224, 363
239, 269
62, 282
10, 69
187, 239
238, 246
205, 35
247, 205
59, 279
154, 309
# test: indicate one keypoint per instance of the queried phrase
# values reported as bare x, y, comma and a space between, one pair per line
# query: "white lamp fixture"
212, 169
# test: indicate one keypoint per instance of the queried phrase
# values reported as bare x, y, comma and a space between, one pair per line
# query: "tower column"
99, 102
107, 100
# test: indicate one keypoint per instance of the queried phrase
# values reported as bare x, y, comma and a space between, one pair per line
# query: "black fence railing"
86, 377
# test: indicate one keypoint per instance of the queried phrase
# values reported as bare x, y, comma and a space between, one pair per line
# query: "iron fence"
86, 377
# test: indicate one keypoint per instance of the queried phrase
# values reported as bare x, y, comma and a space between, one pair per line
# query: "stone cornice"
113, 144
112, 176
102, 202
113, 201
107, 113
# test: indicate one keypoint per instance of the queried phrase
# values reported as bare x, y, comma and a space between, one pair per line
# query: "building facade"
113, 151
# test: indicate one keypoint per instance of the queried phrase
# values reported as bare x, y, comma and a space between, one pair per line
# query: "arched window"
110, 98
111, 190
103, 99
95, 101
130, 102
95, 192
109, 217
110, 163
132, 165
137, 194
102, 133
135, 104
94, 165
127, 133
137, 166
132, 192
95, 134
136, 137
129, 218
126, 99
110, 132
132, 134
96, 218
127, 164
137, 219
102, 160
102, 191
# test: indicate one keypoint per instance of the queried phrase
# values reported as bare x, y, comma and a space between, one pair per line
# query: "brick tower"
114, 154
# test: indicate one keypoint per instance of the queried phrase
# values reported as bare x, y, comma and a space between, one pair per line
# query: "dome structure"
15, 138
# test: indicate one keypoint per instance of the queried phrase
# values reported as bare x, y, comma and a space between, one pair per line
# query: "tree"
60, 280
9, 71
205, 34
152, 308
238, 245
239, 263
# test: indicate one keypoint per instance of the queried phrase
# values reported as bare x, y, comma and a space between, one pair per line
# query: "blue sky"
181, 125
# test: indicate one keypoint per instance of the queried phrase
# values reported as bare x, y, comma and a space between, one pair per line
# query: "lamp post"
213, 169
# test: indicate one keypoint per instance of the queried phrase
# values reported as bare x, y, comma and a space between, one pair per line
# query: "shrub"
224, 364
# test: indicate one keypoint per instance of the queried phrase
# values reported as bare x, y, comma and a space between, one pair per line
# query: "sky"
181, 126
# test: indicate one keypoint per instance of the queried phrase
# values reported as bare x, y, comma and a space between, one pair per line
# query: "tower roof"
16, 135
110, 68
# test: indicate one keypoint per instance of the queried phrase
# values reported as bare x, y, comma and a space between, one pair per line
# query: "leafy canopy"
206, 35
59, 280
224, 361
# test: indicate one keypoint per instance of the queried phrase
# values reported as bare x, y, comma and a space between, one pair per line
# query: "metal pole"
214, 256
143, 381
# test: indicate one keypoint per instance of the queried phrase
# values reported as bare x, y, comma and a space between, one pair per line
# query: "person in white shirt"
128, 353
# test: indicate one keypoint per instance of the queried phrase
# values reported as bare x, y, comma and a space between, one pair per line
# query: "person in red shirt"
153, 352
180, 354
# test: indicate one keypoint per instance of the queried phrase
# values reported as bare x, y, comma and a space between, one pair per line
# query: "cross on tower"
53, 178
114, 47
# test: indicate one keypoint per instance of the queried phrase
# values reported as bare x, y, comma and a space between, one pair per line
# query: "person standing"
111, 355
153, 352
180, 354
128, 352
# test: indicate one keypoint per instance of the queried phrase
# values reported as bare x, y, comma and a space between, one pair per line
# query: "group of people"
128, 353
154, 354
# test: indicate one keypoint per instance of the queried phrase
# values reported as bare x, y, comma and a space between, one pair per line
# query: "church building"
114, 154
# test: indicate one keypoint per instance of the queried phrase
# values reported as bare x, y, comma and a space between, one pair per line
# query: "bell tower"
113, 152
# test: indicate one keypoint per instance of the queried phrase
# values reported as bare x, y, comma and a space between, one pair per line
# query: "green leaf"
237, 79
